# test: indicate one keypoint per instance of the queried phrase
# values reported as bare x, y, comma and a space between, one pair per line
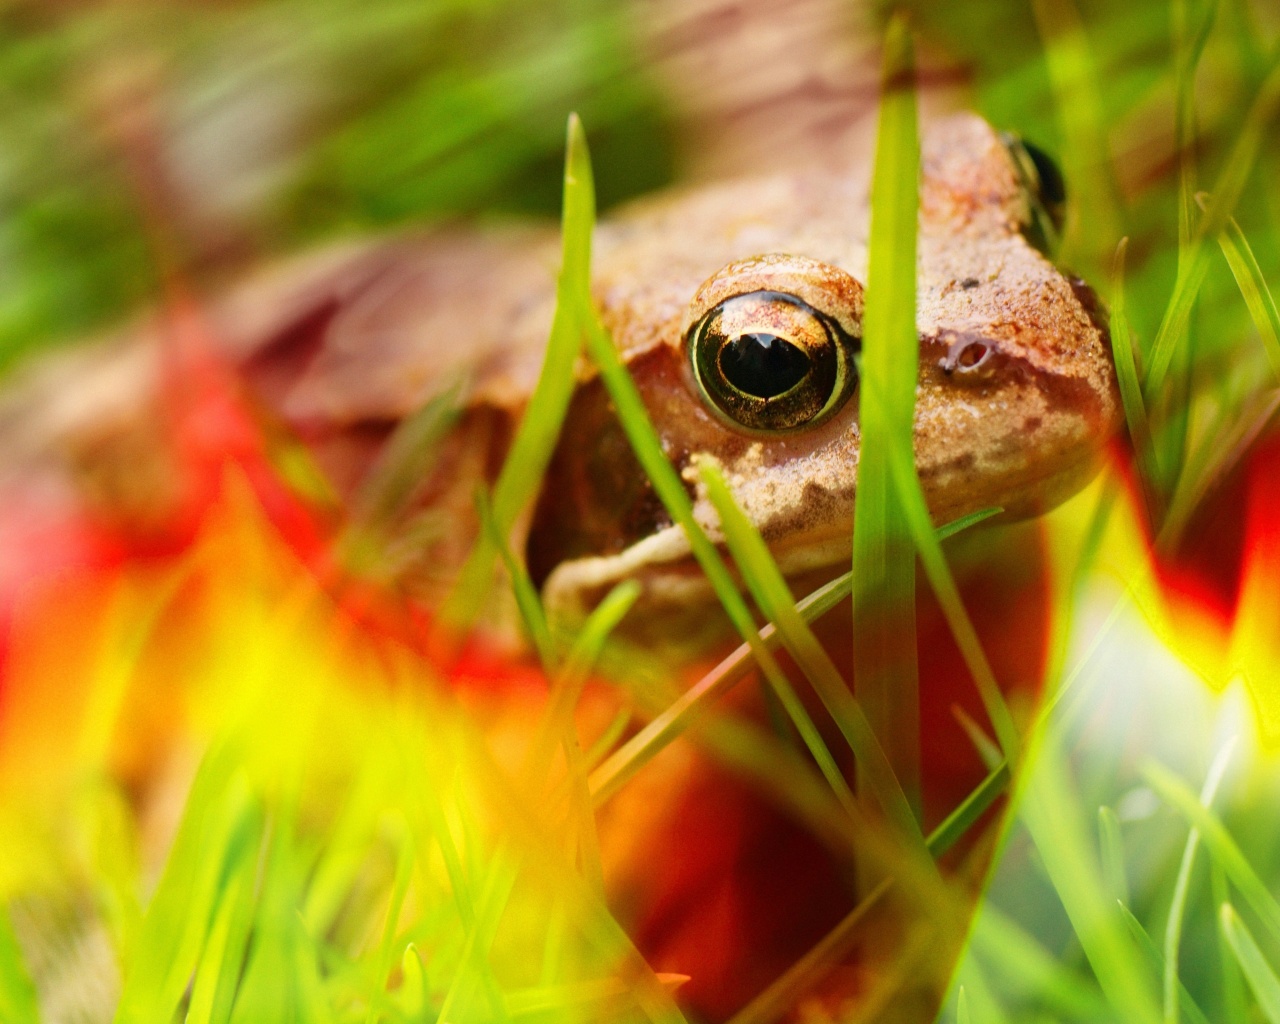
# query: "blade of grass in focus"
664, 728
526, 594
647, 446
884, 633
926, 539
539, 427
1262, 978
776, 601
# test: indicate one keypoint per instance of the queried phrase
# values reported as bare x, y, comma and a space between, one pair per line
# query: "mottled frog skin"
1016, 397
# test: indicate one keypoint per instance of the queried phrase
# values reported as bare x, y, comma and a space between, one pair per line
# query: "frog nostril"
966, 354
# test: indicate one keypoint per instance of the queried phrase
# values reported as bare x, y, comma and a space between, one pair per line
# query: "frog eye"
1046, 191
768, 361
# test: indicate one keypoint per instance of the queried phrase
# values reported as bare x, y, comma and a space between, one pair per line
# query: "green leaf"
1182, 885
959, 821
1187, 1004
884, 630
536, 436
1112, 846
776, 601
672, 722
1135, 409
1262, 978
666, 482
1223, 848
527, 600
1226, 194
1056, 822
1253, 286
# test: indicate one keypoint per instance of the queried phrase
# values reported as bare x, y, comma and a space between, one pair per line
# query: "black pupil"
763, 365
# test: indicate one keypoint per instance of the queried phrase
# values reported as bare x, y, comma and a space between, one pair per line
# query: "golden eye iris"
767, 361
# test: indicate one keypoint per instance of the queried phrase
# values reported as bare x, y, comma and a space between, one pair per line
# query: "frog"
737, 309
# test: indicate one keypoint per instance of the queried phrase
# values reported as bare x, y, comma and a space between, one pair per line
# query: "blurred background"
221, 134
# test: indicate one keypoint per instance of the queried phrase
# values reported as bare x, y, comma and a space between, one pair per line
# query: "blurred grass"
241, 130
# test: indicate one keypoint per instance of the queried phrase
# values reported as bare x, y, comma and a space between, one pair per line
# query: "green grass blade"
1224, 849
219, 817
540, 426
1188, 46
1093, 218
1234, 998
413, 986
974, 806
1112, 845
1140, 935
776, 601
1262, 978
210, 970
646, 444
568, 684
987, 748
404, 463
1019, 956
526, 594
386, 954
17, 992
884, 636
962, 1007
1253, 286
664, 728
949, 530
1135, 409
773, 1003
1226, 194
916, 517
1056, 822
1182, 885
1213, 463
